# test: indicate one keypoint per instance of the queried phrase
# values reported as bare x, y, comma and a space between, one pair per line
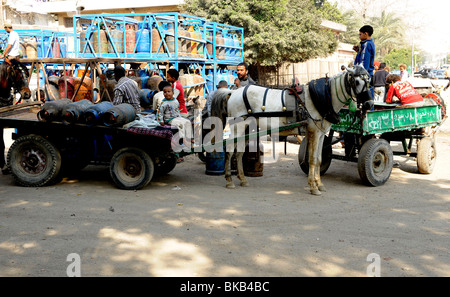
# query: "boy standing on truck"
172, 77
366, 53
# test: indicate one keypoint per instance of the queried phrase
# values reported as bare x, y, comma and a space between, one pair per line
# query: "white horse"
259, 102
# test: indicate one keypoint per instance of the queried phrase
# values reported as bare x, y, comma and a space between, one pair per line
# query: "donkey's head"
19, 77
358, 84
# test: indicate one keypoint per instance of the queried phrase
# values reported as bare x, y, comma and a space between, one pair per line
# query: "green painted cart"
367, 140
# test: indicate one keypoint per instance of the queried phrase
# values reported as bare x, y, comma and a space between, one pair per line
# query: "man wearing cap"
12, 50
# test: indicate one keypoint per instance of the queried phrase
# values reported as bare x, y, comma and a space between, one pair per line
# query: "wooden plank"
18, 106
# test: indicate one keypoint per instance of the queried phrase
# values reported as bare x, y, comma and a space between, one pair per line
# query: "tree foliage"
353, 22
275, 32
389, 33
398, 56
330, 12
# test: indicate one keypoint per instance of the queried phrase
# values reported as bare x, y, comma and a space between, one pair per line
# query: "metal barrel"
215, 163
85, 90
52, 110
119, 115
143, 45
53, 88
93, 114
144, 96
130, 36
62, 87
73, 112
116, 37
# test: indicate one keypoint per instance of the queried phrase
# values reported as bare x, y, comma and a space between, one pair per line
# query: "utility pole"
412, 58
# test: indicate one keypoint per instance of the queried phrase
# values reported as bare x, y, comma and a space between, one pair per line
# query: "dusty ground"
188, 224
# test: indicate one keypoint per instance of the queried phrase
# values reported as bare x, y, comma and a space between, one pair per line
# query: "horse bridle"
17, 67
350, 82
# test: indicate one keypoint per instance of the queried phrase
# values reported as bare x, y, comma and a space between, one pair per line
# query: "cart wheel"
34, 161
164, 165
327, 152
131, 168
375, 162
426, 155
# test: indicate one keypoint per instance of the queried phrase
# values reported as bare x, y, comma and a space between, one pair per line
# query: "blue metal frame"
171, 27
45, 39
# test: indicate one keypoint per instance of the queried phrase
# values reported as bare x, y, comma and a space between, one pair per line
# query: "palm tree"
353, 21
389, 33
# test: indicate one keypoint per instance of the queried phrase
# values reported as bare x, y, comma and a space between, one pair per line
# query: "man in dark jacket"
379, 82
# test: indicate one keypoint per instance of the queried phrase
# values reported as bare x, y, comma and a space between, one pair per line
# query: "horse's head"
19, 77
358, 84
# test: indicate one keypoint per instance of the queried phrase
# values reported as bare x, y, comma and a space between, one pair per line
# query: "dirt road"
188, 224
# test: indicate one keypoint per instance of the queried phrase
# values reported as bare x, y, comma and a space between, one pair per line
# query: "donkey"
319, 102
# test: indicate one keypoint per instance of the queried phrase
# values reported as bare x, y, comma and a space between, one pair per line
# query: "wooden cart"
43, 152
367, 140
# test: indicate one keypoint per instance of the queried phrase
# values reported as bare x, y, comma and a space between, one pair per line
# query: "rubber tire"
123, 177
375, 162
39, 148
426, 155
164, 165
327, 152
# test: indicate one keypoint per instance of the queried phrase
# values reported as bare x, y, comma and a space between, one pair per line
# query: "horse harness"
298, 113
12, 68
264, 113
320, 93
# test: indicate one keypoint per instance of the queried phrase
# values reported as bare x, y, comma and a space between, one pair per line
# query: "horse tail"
219, 104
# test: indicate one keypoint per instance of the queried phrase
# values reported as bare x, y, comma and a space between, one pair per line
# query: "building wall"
306, 71
22, 20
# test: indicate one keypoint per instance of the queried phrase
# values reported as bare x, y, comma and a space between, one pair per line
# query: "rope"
347, 100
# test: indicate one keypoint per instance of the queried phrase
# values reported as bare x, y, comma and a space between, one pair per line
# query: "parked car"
437, 74
395, 72
423, 73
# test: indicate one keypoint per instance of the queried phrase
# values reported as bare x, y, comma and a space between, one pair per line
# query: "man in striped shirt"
126, 90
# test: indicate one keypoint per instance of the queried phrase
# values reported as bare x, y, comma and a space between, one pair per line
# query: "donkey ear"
351, 70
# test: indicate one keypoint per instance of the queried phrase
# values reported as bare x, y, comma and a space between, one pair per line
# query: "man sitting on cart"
403, 90
126, 90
